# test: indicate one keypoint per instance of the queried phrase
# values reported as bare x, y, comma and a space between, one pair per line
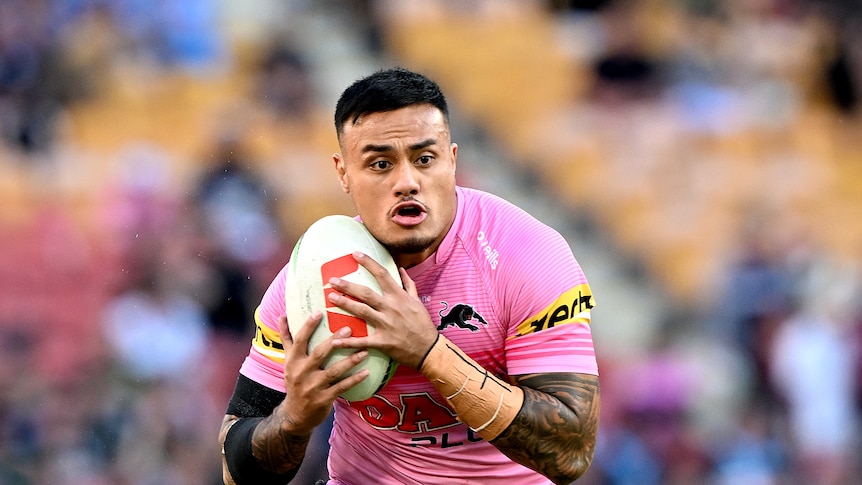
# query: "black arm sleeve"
251, 402
251, 399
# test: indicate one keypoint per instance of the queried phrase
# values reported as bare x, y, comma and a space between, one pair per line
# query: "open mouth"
409, 213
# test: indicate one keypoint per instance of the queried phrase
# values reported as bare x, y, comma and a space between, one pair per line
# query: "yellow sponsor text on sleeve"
267, 341
573, 306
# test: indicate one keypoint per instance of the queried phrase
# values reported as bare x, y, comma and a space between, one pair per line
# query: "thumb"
284, 333
409, 284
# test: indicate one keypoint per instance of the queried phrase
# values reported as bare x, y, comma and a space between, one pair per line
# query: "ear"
341, 170
454, 155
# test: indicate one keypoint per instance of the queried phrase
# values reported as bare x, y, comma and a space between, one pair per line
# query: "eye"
380, 164
424, 160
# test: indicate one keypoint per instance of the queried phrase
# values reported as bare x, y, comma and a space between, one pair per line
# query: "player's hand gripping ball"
322, 252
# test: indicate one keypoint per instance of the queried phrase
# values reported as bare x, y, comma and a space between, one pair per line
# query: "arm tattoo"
273, 448
555, 431
276, 450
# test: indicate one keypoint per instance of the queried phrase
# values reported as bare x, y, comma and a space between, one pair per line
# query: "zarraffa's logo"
461, 316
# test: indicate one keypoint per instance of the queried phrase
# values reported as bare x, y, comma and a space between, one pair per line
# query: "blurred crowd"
159, 158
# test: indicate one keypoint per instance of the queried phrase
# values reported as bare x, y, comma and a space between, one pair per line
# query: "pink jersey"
503, 287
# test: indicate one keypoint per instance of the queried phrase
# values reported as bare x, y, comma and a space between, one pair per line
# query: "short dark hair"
387, 90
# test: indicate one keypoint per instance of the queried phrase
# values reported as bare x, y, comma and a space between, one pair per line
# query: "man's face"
399, 169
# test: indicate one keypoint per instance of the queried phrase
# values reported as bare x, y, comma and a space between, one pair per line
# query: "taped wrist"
243, 466
482, 401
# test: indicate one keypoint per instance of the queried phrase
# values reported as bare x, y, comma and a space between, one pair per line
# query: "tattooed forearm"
555, 431
275, 449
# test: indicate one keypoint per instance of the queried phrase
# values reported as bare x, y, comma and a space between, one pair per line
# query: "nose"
407, 180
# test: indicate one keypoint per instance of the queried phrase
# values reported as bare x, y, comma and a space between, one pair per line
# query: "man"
497, 378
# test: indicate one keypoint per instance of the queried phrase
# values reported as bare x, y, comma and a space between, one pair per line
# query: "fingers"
365, 295
323, 349
362, 301
306, 371
297, 347
409, 284
354, 299
358, 292
334, 379
345, 384
284, 332
384, 278
300, 340
335, 373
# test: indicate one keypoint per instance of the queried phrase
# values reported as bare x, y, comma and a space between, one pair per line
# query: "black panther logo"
460, 316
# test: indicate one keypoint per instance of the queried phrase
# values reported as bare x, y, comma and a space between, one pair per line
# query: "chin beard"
412, 245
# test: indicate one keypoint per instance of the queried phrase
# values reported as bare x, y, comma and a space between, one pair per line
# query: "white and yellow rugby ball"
322, 252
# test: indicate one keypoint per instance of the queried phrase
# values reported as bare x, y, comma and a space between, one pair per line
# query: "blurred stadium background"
704, 157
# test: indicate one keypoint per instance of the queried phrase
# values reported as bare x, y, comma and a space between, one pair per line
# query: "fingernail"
358, 255
344, 331
334, 280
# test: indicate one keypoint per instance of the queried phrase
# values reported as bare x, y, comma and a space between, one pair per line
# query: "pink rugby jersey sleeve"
265, 361
550, 303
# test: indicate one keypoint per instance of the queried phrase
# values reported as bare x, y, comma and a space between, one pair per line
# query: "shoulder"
487, 210
272, 304
490, 220
480, 199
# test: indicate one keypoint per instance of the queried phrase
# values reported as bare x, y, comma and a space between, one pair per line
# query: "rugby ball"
322, 252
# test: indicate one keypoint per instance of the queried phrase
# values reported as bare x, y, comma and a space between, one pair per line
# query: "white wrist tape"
482, 401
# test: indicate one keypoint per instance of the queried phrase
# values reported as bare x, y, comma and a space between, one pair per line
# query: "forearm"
256, 436
261, 450
278, 444
547, 422
555, 431
228, 421
481, 400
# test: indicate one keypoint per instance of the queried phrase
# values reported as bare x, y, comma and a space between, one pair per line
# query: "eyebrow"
423, 144
386, 148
